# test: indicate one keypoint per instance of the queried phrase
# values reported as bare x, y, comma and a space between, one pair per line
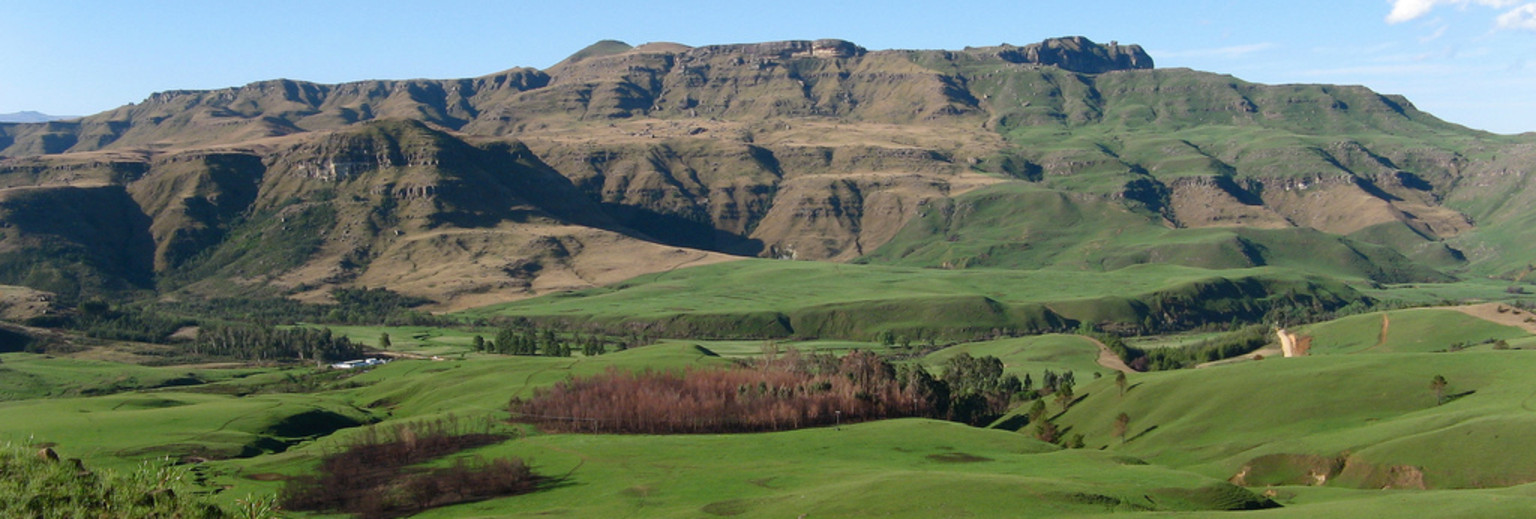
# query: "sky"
1470, 62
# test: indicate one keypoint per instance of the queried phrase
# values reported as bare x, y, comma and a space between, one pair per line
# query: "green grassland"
907, 468
1025, 226
1413, 330
1469, 290
772, 298
420, 340
1171, 341
1032, 355
1190, 431
1373, 411
124, 429
748, 349
27, 376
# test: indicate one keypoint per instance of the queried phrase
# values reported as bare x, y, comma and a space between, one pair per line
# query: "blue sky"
1468, 61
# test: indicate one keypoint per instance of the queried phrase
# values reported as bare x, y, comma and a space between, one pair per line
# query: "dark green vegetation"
40, 484
1018, 253
372, 476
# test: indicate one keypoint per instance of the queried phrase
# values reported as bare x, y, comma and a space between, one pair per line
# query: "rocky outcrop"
1077, 54
826, 48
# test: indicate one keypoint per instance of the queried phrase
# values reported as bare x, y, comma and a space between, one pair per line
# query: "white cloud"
1405, 10
1523, 17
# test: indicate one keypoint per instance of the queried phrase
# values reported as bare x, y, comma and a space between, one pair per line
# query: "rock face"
1077, 54
623, 160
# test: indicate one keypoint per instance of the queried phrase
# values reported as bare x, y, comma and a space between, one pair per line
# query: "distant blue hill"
32, 117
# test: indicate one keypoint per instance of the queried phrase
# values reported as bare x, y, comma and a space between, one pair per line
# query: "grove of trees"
265, 343
779, 391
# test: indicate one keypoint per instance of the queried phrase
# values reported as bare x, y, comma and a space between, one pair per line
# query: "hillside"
1303, 437
914, 269
621, 161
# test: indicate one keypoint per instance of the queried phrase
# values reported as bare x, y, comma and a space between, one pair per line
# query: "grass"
420, 340
1195, 427
908, 467
26, 376
1375, 410
746, 349
174, 424
1171, 341
1413, 330
34, 486
770, 298
1025, 226
1032, 355
1469, 290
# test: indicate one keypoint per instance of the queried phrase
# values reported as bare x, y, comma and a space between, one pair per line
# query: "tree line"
266, 343
1242, 341
778, 391
523, 337
361, 306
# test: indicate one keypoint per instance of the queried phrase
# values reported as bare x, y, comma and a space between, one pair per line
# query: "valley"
1046, 280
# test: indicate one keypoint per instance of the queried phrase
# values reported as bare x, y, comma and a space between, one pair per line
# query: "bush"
38, 484
373, 477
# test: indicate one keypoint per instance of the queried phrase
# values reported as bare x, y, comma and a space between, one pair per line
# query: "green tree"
479, 343
506, 339
1037, 411
1122, 425
1120, 382
1075, 441
1046, 431
384, 340
1064, 395
1437, 385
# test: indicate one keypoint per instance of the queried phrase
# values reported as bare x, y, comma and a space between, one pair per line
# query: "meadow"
1359, 418
756, 299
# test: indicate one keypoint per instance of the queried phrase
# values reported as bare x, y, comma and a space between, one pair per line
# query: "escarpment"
622, 160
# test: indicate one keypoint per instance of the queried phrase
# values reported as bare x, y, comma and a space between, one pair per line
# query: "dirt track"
1108, 358
1511, 316
1381, 338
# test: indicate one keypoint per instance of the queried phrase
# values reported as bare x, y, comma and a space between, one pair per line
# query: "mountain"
621, 160
32, 117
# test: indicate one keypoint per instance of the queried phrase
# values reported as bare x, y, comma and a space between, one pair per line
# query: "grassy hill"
1364, 421
1414, 330
1032, 355
1359, 422
765, 298
1025, 227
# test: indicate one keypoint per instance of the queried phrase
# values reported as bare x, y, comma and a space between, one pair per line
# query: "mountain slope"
819, 150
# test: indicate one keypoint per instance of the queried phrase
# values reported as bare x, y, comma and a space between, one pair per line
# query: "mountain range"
28, 116
621, 161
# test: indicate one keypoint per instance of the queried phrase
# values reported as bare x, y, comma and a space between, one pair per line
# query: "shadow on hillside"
677, 231
1013, 423
1453, 396
1140, 434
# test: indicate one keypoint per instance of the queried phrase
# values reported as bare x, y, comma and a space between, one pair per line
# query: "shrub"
373, 476
39, 484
